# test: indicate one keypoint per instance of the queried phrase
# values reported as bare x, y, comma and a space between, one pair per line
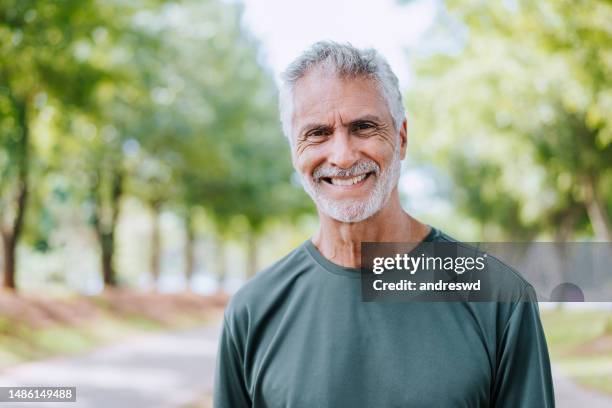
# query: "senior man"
298, 333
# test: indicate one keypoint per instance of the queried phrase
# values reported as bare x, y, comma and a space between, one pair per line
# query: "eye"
319, 132
362, 126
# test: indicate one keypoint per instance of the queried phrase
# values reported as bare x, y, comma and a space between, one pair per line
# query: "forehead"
321, 95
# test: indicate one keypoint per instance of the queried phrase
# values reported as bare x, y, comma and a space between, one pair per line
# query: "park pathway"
160, 370
570, 395
172, 370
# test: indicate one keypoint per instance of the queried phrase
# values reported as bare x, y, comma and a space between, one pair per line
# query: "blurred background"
144, 176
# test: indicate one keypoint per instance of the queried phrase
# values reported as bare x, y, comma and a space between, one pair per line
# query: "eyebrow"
366, 118
312, 126
315, 125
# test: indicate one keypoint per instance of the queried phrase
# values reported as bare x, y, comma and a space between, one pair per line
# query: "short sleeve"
230, 390
523, 376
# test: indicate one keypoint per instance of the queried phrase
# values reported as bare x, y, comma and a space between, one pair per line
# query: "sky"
285, 27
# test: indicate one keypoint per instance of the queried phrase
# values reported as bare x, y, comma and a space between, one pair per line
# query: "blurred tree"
165, 101
151, 180
518, 112
39, 61
99, 138
223, 143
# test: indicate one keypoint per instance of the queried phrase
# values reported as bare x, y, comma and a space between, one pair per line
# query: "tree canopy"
167, 102
517, 110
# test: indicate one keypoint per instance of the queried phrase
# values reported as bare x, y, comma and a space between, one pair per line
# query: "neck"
340, 242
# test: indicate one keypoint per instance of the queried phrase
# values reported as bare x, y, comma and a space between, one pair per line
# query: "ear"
403, 136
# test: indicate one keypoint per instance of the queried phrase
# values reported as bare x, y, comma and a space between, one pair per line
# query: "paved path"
570, 395
172, 370
161, 370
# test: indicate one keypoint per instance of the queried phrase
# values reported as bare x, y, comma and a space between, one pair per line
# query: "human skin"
337, 122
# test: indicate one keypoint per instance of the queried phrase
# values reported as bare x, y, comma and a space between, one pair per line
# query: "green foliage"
580, 344
518, 115
164, 101
214, 126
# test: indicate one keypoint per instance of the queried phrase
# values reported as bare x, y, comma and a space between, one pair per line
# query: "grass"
580, 344
35, 327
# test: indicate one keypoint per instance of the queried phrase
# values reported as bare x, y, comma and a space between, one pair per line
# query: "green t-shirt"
298, 335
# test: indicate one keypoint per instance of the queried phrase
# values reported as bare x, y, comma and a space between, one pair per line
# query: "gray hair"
346, 61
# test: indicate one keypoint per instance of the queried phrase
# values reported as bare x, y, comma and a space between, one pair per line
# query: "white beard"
351, 210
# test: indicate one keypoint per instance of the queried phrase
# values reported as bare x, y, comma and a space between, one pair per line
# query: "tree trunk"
107, 241
567, 224
8, 247
189, 250
105, 228
252, 259
220, 262
596, 210
10, 237
155, 244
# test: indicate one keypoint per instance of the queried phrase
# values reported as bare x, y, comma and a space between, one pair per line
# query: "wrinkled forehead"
322, 92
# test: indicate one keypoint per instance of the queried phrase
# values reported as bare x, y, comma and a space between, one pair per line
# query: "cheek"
381, 153
305, 161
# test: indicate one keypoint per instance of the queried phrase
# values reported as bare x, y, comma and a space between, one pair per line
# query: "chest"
373, 355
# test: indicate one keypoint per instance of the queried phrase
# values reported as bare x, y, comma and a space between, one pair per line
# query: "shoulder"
504, 282
264, 289
504, 293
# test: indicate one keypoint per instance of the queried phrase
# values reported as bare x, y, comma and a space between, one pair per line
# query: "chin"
349, 212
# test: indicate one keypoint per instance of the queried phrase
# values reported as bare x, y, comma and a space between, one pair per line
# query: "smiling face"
345, 147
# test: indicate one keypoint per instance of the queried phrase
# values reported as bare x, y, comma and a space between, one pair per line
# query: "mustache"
361, 167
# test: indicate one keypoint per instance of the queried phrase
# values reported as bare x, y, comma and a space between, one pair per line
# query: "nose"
344, 152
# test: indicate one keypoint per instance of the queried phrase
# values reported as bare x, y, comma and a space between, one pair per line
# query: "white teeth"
347, 182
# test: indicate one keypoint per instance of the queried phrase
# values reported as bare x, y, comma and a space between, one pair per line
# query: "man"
298, 334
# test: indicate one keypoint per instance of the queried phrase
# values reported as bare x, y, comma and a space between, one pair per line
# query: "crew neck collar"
348, 271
